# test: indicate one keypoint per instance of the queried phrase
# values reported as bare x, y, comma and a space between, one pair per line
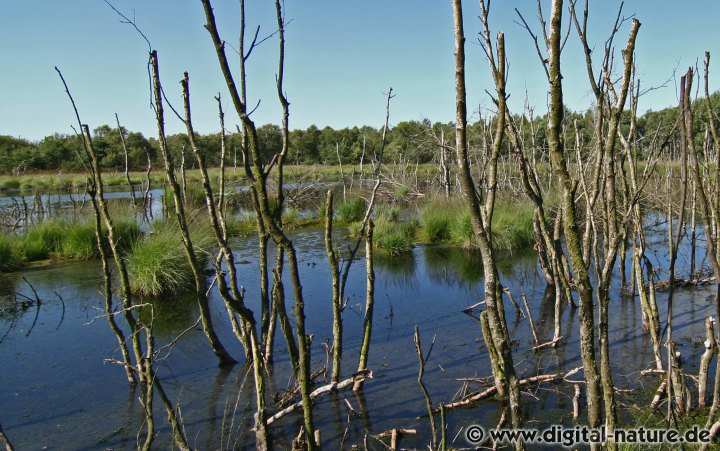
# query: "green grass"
158, 264
401, 191
448, 221
395, 238
62, 240
437, 219
10, 184
351, 211
461, 230
43, 240
80, 242
390, 235
194, 195
240, 225
10, 256
387, 212
512, 226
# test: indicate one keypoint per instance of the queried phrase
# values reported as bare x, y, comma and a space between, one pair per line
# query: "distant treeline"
408, 142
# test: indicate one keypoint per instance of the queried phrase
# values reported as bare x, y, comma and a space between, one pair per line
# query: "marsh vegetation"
563, 268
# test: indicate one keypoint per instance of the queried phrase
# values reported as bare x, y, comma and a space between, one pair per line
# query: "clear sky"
341, 57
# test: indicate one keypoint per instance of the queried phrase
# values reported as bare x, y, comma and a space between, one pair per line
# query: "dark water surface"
57, 392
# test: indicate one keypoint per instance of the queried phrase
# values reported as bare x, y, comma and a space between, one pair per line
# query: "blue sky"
341, 57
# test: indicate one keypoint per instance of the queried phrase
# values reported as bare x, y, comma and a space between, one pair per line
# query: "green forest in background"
408, 142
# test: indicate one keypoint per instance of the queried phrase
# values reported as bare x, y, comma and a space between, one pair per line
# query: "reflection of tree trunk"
278, 299
213, 404
422, 359
5, 441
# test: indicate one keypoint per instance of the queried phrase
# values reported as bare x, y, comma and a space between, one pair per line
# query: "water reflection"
399, 271
452, 266
170, 315
54, 379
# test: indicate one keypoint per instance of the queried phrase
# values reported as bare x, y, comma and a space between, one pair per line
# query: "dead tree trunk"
258, 173
556, 147
481, 215
127, 165
200, 293
369, 304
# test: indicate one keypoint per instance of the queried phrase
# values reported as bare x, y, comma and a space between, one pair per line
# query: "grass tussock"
11, 258
448, 221
237, 225
395, 238
80, 242
351, 211
43, 240
73, 240
62, 240
392, 236
512, 226
158, 264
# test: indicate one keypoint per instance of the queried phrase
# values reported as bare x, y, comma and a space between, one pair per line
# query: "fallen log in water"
684, 283
362, 375
394, 434
479, 396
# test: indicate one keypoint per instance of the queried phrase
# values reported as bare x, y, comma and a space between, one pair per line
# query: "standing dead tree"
340, 268
142, 369
708, 193
230, 292
127, 165
610, 106
102, 216
675, 382
258, 172
633, 180
568, 186
481, 203
190, 252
